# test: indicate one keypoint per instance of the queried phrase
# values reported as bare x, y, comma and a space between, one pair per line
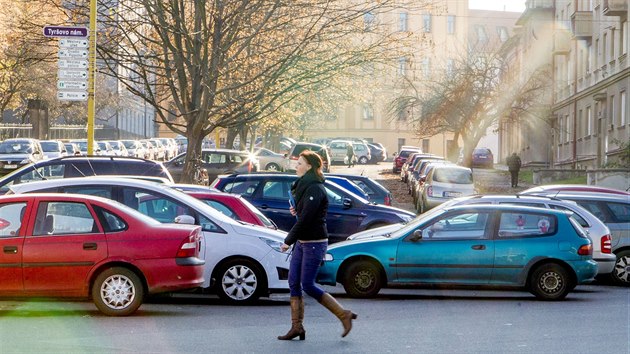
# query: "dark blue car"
348, 213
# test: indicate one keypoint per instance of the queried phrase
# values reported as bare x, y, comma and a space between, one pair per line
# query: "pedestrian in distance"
514, 166
309, 239
350, 155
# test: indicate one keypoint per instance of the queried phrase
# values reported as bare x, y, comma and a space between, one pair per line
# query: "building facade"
585, 42
591, 74
438, 34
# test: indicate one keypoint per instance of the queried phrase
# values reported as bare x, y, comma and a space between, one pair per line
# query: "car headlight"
275, 245
328, 257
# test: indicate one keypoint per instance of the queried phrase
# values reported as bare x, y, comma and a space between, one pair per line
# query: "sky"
497, 5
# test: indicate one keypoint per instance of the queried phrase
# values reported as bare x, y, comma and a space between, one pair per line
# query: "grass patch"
526, 176
574, 180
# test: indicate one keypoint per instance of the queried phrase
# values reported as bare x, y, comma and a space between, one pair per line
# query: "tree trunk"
193, 151
230, 137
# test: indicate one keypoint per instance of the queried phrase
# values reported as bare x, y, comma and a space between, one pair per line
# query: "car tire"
363, 160
117, 291
239, 281
621, 273
272, 167
550, 282
362, 279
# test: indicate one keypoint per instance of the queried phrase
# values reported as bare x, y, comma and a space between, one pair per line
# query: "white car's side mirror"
185, 219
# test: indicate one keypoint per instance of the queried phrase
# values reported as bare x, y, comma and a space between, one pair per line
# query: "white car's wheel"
240, 281
363, 160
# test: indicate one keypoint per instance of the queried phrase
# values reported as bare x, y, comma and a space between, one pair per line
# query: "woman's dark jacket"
311, 207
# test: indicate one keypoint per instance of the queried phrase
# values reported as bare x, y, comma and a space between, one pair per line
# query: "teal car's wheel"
363, 279
621, 273
550, 282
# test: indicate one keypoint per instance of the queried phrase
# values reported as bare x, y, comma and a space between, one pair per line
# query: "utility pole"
91, 79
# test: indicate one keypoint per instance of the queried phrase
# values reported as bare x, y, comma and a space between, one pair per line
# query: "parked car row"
229, 244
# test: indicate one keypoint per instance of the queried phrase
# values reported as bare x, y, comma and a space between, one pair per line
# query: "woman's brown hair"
315, 161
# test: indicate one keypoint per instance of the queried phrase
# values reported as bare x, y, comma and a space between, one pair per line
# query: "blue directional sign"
61, 31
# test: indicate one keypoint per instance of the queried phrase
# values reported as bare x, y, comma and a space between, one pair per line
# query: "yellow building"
438, 36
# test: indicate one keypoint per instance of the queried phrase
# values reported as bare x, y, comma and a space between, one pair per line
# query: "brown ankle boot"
297, 317
345, 316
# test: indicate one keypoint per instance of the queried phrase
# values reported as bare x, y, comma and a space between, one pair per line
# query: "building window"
369, 19
425, 145
623, 35
604, 52
426, 23
402, 115
580, 123
368, 112
589, 55
596, 61
611, 111
611, 55
403, 22
450, 24
402, 66
426, 67
622, 108
503, 33
589, 121
570, 131
450, 67
481, 33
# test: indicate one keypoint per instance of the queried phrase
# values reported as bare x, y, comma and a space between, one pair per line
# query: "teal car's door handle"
479, 247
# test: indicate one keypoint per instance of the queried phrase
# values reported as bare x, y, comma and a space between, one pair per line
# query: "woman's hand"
292, 211
284, 247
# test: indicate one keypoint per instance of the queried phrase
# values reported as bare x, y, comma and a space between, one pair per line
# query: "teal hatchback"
542, 250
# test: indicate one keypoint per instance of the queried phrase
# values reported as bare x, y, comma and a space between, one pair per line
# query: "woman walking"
309, 238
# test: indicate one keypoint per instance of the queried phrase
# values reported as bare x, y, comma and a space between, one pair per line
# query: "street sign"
72, 95
72, 74
73, 53
61, 31
71, 85
73, 43
72, 64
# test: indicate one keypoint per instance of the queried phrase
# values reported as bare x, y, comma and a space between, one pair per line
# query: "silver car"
269, 160
614, 211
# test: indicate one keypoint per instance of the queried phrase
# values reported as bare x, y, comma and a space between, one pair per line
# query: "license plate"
452, 194
10, 166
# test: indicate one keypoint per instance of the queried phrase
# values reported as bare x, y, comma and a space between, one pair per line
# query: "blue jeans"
305, 261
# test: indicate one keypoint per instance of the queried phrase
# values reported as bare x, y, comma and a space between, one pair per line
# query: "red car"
234, 206
402, 156
66, 245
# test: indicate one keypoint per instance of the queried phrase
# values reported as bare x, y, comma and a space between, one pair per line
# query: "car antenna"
81, 172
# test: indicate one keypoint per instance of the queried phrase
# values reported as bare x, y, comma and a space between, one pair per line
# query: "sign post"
77, 56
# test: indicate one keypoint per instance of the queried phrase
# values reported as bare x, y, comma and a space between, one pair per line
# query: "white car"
53, 148
243, 261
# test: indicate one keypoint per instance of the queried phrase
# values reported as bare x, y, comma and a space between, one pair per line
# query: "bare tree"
217, 63
480, 89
